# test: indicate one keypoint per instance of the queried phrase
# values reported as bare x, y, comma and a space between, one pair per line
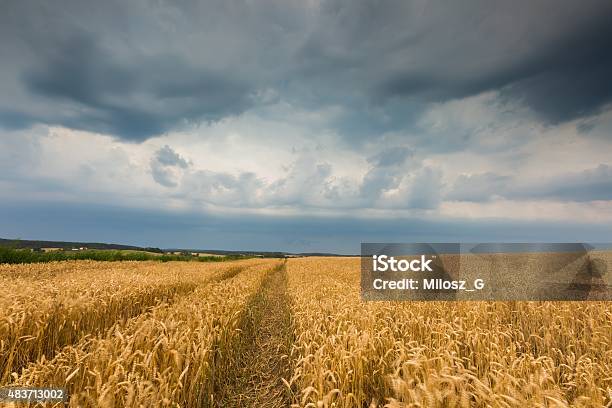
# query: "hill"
67, 245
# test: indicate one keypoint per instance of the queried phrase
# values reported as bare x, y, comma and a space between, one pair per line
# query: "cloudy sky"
311, 125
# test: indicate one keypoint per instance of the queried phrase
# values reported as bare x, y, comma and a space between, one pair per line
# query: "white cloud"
276, 165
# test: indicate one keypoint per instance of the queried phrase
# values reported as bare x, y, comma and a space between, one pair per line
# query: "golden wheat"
165, 357
188, 335
44, 307
350, 353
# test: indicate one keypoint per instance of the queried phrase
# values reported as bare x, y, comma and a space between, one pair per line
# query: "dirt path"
255, 381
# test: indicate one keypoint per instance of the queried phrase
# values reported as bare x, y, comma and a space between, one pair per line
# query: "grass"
18, 256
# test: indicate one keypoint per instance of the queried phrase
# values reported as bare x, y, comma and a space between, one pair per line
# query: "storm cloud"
139, 69
261, 233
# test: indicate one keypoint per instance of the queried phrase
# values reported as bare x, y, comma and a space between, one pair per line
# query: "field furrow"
54, 305
258, 363
169, 356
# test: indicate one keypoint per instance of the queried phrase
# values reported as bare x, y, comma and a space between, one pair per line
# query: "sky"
305, 126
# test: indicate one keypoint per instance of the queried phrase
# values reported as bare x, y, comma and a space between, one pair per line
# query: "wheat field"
287, 333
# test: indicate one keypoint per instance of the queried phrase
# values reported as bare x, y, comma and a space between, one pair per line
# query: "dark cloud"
80, 222
570, 79
381, 178
556, 63
552, 56
169, 157
139, 69
393, 156
10, 120
166, 166
136, 99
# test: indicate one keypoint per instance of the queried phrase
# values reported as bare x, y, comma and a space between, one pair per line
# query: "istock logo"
384, 263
